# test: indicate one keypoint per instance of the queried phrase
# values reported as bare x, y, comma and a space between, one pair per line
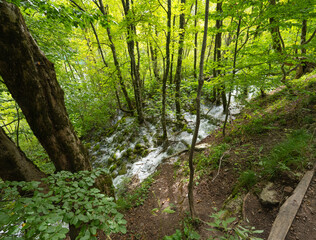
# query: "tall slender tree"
166, 73
177, 77
197, 124
131, 44
195, 39
115, 58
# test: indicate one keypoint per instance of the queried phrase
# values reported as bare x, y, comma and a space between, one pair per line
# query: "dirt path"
169, 191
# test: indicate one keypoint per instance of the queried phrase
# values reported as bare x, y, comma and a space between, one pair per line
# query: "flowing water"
133, 151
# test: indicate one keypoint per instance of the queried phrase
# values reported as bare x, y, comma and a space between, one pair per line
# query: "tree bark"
30, 77
197, 125
217, 91
234, 73
154, 60
274, 30
172, 54
177, 77
131, 31
165, 75
15, 166
195, 39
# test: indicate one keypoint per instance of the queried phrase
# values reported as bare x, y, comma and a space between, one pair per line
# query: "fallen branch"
176, 154
220, 163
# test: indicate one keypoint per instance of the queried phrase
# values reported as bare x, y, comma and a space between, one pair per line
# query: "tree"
218, 55
115, 58
165, 74
197, 124
30, 77
131, 33
15, 166
177, 77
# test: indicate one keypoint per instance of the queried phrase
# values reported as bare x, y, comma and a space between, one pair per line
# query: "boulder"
202, 147
269, 196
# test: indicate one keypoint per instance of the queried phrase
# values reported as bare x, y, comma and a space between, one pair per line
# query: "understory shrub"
34, 210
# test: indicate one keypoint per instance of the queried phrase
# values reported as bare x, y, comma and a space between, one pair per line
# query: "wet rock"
202, 147
113, 167
269, 196
123, 170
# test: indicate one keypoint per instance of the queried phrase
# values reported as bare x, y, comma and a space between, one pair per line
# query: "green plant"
221, 226
290, 154
187, 232
211, 161
61, 199
137, 197
247, 179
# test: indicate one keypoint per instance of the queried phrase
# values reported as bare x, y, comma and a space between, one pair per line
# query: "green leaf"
168, 210
93, 230
42, 227
74, 220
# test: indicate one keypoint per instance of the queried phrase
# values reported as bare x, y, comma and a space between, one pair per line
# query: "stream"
136, 151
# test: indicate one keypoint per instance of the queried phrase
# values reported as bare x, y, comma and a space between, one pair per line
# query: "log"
288, 211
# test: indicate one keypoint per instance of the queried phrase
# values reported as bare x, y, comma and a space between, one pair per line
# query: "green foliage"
247, 179
221, 226
43, 210
137, 197
188, 232
211, 161
291, 154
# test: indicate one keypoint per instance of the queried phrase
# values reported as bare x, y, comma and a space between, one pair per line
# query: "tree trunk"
15, 166
197, 125
177, 77
302, 65
165, 75
172, 54
154, 60
234, 73
116, 62
31, 79
131, 31
274, 30
195, 39
218, 91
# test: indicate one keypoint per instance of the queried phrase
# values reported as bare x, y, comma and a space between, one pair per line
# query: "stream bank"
132, 151
252, 138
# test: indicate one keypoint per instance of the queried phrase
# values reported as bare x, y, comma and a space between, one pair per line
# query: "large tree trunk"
31, 79
15, 166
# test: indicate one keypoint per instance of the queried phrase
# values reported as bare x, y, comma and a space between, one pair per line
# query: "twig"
220, 163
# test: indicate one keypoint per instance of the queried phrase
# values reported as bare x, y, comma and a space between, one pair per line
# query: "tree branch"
311, 37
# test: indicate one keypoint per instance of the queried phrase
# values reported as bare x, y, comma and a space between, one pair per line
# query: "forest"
157, 119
